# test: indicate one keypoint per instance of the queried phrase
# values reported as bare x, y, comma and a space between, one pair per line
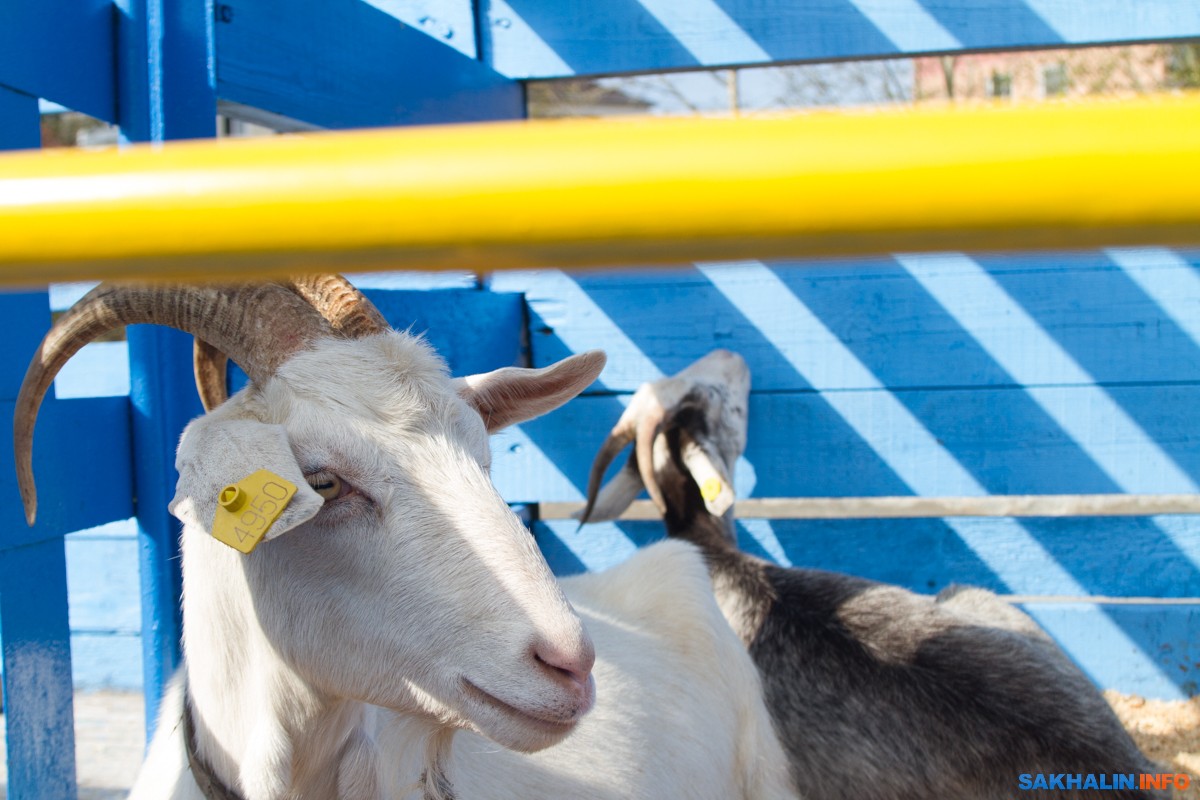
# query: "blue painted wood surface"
475, 331
163, 399
33, 597
451, 22
345, 64
555, 38
37, 672
61, 50
1094, 308
166, 85
1072, 557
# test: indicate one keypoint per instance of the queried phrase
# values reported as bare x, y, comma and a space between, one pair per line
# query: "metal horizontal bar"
1026, 505
594, 192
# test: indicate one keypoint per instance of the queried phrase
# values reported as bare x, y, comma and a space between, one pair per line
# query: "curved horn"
621, 435
260, 325
209, 364
647, 429
347, 310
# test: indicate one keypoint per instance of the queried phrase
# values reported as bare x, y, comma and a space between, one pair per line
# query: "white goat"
396, 599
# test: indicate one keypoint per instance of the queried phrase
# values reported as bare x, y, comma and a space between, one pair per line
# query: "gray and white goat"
876, 692
396, 629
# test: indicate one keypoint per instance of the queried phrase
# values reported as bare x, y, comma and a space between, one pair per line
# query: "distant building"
1042, 74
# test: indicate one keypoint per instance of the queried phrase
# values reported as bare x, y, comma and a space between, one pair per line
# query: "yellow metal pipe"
576, 193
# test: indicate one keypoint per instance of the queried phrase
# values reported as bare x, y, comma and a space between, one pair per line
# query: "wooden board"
555, 38
1057, 557
61, 50
346, 64
1096, 310
994, 440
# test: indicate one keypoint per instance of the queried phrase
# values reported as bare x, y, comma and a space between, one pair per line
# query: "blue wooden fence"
930, 375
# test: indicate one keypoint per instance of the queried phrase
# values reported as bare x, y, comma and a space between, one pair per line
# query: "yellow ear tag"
710, 489
247, 509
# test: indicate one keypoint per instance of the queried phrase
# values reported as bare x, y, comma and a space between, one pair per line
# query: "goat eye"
326, 484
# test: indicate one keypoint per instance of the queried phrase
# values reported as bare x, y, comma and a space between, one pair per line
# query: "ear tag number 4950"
247, 509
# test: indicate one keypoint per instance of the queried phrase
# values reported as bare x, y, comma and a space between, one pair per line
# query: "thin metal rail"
596, 192
1026, 505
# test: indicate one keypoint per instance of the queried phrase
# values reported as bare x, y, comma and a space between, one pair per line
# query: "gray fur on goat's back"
881, 693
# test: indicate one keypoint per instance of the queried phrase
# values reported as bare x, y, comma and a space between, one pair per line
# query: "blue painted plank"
474, 331
61, 50
37, 672
1095, 309
1036, 556
19, 127
801, 446
27, 318
164, 77
555, 38
167, 90
345, 64
450, 22
83, 466
163, 397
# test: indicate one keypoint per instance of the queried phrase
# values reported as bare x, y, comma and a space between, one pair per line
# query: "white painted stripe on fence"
829, 367
1172, 283
524, 43
903, 443
693, 25
908, 25
1035, 360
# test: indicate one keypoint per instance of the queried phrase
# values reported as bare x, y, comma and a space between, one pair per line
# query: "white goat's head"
397, 575
692, 423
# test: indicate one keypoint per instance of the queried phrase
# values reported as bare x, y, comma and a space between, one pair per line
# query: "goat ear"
513, 394
217, 452
708, 470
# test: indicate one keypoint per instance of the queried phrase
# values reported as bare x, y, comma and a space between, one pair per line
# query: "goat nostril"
574, 666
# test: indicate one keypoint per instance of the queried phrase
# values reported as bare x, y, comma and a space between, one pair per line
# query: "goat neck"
742, 587
263, 729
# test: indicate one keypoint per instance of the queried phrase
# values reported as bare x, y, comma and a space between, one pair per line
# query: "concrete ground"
109, 741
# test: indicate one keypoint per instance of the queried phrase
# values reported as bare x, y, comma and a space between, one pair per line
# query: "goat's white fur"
318, 664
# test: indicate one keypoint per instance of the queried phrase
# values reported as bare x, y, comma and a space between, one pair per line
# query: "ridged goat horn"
621, 435
647, 430
347, 310
259, 325
208, 364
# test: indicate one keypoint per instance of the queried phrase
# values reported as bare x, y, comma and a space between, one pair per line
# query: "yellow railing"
576, 193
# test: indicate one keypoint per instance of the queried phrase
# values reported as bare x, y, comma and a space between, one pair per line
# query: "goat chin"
678, 713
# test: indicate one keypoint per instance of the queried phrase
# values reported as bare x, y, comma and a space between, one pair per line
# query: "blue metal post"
33, 604
165, 75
